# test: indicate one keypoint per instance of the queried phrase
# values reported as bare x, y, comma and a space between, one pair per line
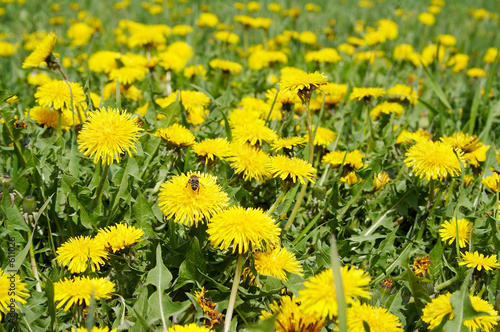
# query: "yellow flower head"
207, 20
264, 59
77, 252
288, 143
434, 160
226, 66
191, 198
325, 55
208, 149
227, 37
353, 160
79, 290
434, 312
427, 18
188, 328
473, 149
249, 161
128, 75
479, 261
244, 229
103, 61
289, 169
291, 318
274, 262
107, 133
41, 53
57, 94
366, 93
48, 117
319, 296
451, 230
491, 182
195, 103
380, 180
475, 72
406, 137
253, 132
335, 93
386, 108
323, 137
6, 291
177, 135
403, 93
118, 237
302, 82
421, 266
377, 318
94, 329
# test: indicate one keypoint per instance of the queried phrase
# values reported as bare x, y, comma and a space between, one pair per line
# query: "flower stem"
339, 286
98, 192
234, 290
310, 160
278, 202
446, 283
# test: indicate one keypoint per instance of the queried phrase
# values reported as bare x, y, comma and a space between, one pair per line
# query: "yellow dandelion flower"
227, 37
208, 149
366, 93
7, 289
195, 70
177, 135
386, 108
402, 52
287, 143
274, 262
118, 237
451, 230
79, 290
48, 117
302, 82
491, 182
421, 266
189, 327
434, 312
249, 161
226, 66
214, 317
473, 149
195, 103
325, 55
94, 329
475, 72
291, 318
403, 93
378, 319
77, 252
380, 180
491, 54
319, 296
335, 93
128, 75
447, 40
37, 78
479, 261
253, 133
264, 59
351, 178
41, 53
182, 30
434, 160
244, 229
190, 204
207, 20
80, 33
427, 18
289, 169
406, 137
353, 160
103, 61
323, 137
57, 94
107, 133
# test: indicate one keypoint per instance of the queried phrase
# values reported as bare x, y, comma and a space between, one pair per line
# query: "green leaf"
193, 266
131, 169
171, 112
51, 308
437, 88
159, 276
418, 291
143, 213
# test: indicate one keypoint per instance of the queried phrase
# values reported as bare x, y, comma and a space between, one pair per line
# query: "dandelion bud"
380, 180
7, 183
29, 204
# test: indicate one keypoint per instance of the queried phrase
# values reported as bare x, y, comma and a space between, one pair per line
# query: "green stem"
446, 283
278, 202
339, 286
296, 207
34, 268
234, 290
104, 175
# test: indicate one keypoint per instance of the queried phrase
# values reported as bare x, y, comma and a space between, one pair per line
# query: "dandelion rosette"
319, 295
107, 133
291, 169
274, 262
244, 229
434, 160
434, 312
178, 199
77, 252
80, 289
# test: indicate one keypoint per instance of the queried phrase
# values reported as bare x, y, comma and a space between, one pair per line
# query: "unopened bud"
7, 183
29, 204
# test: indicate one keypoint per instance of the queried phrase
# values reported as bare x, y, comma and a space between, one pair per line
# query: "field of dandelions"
177, 165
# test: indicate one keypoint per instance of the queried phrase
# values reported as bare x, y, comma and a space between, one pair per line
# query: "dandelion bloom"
244, 229
6, 292
407, 137
176, 135
335, 93
289, 169
214, 317
226, 66
103, 61
48, 117
178, 199
319, 295
107, 134
456, 229
351, 178
195, 103
207, 20
380, 180
41, 53
274, 262
403, 93
491, 182
473, 149
195, 70
475, 72
249, 161
208, 149
427, 18
479, 261
352, 160
79, 290
366, 93
291, 318
188, 328
128, 75
94, 329
57, 94
118, 237
302, 82
378, 319
325, 55
77, 252
434, 312
287, 143
434, 160
386, 108
323, 136
421, 266
253, 133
